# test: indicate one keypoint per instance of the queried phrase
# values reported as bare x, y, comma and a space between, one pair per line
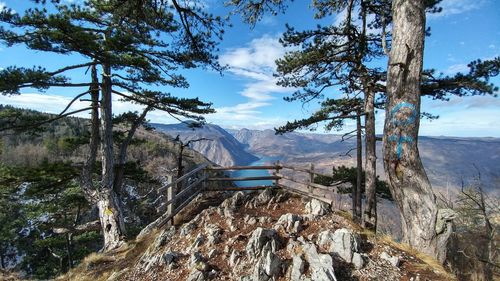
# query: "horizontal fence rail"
198, 178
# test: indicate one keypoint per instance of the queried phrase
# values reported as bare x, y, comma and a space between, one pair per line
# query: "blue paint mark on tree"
400, 140
403, 121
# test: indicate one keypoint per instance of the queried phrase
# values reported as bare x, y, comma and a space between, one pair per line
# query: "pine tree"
337, 57
137, 46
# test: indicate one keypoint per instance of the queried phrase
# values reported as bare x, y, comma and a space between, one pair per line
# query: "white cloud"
255, 62
56, 103
2, 5
492, 46
455, 68
259, 56
456, 7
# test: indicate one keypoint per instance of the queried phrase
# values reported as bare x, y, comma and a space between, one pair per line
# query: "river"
265, 160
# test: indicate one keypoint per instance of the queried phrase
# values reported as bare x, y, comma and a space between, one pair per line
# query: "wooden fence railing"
196, 181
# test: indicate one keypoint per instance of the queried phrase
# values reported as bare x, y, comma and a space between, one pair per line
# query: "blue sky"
246, 94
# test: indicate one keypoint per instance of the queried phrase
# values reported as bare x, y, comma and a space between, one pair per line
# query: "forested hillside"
46, 224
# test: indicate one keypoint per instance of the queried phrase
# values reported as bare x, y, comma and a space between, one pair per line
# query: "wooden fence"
183, 190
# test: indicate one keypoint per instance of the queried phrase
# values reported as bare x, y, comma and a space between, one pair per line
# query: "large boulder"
316, 207
343, 242
269, 266
320, 265
259, 238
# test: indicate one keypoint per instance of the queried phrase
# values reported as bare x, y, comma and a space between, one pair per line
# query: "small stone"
234, 258
170, 258
252, 221
317, 207
212, 253
394, 261
198, 241
196, 275
196, 258
357, 261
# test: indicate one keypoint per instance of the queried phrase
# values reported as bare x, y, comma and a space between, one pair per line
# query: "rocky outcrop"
243, 239
316, 207
343, 242
320, 265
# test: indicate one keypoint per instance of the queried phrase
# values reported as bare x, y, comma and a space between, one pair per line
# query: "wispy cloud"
456, 7
55, 103
256, 63
456, 68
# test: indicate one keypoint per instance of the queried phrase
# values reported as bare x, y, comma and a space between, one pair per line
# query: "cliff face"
220, 147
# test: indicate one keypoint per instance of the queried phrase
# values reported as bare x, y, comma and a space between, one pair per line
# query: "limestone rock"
394, 261
259, 238
343, 242
297, 269
292, 223
234, 258
269, 266
357, 261
187, 228
214, 233
154, 254
170, 258
200, 238
264, 197
320, 265
196, 275
317, 207
229, 205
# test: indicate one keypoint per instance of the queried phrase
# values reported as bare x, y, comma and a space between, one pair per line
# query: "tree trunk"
405, 174
359, 176
122, 156
370, 214
86, 180
110, 213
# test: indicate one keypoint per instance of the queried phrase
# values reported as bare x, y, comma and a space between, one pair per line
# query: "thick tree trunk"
370, 214
407, 179
110, 213
359, 177
111, 219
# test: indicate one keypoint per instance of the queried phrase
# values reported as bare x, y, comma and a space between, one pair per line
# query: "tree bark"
370, 214
359, 170
110, 213
86, 180
122, 156
405, 174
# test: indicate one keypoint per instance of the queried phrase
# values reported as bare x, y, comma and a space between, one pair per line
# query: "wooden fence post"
311, 177
170, 197
277, 181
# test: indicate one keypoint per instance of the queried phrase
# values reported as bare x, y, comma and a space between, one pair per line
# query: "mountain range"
448, 161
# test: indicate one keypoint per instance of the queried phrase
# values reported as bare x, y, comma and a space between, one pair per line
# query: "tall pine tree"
132, 48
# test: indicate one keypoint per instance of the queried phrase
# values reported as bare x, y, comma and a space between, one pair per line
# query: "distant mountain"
447, 160
221, 148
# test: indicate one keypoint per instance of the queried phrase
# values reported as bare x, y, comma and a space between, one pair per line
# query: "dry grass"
427, 262
100, 266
